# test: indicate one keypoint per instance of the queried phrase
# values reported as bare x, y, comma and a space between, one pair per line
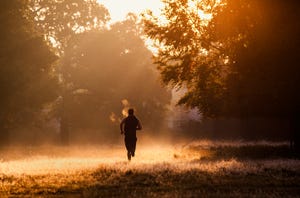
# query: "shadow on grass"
246, 152
195, 183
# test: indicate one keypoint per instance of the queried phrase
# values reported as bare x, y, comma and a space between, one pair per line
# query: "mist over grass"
185, 169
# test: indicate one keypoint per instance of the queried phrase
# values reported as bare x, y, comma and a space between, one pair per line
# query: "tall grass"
200, 168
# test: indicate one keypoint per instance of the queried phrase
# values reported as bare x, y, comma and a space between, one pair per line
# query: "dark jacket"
131, 124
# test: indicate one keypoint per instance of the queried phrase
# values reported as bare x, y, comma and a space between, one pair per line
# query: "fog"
72, 80
196, 155
96, 77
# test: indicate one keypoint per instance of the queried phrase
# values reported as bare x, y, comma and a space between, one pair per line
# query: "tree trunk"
4, 135
64, 124
64, 131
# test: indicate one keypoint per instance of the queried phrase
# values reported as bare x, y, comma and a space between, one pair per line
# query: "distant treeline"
64, 71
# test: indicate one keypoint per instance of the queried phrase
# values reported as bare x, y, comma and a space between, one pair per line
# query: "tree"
186, 55
259, 43
264, 63
109, 67
26, 77
242, 63
61, 22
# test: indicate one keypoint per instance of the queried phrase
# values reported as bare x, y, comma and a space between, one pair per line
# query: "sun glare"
118, 9
194, 7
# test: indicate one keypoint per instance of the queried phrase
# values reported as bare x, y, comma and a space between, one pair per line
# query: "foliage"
261, 40
26, 77
98, 67
241, 63
110, 66
186, 57
61, 20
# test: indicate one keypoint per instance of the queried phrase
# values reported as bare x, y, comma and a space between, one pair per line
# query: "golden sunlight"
76, 159
118, 9
194, 7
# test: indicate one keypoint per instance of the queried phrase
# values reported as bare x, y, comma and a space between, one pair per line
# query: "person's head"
130, 111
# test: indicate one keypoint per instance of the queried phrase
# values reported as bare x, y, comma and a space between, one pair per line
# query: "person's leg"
133, 146
128, 155
128, 147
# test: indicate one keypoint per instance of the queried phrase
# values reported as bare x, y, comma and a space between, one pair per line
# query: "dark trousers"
130, 143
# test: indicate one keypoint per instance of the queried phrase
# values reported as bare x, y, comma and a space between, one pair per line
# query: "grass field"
197, 169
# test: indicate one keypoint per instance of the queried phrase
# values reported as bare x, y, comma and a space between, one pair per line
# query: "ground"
193, 169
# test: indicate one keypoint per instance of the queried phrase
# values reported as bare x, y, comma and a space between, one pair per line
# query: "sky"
118, 9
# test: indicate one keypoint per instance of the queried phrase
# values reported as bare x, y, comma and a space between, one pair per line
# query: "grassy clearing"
194, 170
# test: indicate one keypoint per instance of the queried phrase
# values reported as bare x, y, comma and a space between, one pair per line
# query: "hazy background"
71, 69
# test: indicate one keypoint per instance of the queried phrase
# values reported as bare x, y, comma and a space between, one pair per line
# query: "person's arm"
121, 126
139, 126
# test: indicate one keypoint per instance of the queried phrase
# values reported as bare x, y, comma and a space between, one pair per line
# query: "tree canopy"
186, 56
61, 20
26, 76
99, 67
241, 63
111, 70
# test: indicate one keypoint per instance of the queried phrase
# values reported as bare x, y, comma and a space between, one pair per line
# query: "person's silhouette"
128, 126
